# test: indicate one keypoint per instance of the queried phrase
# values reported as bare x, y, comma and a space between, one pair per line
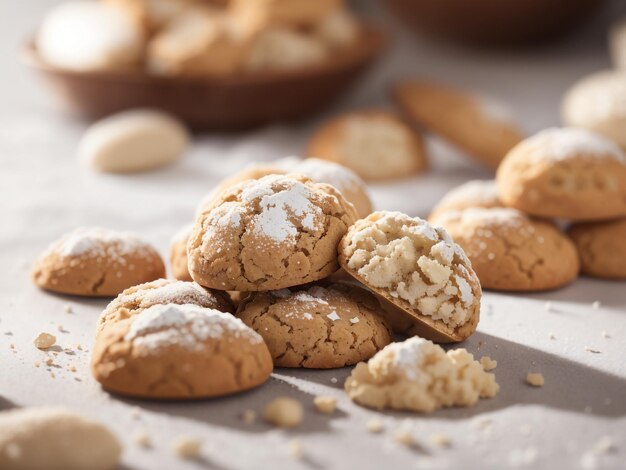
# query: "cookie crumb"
325, 405
548, 307
488, 363
283, 412
591, 350
595, 305
37, 363
49, 361
248, 416
69, 309
535, 379
61, 329
552, 336
404, 437
333, 380
72, 368
605, 334
375, 426
186, 447
79, 347
45, 341
142, 438
295, 449
441, 440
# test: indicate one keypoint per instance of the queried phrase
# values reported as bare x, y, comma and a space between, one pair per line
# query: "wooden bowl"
215, 103
494, 22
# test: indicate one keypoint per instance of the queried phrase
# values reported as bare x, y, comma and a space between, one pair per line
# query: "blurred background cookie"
475, 193
601, 248
178, 254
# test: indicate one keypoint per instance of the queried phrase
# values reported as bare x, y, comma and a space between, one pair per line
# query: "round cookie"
180, 352
565, 173
95, 262
57, 439
418, 375
271, 233
510, 251
178, 254
319, 327
162, 292
417, 268
598, 103
479, 126
475, 193
601, 248
345, 180
376, 145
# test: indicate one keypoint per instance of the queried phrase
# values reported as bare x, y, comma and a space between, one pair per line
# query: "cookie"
133, 141
617, 43
565, 173
198, 42
601, 248
279, 48
476, 193
151, 15
162, 292
291, 13
89, 36
598, 103
338, 31
96, 262
55, 438
271, 233
510, 251
417, 375
417, 268
345, 180
179, 352
478, 126
376, 145
178, 254
319, 327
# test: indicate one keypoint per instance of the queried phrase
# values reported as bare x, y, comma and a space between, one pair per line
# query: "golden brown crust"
318, 327
96, 263
601, 248
269, 234
510, 251
206, 356
375, 144
464, 120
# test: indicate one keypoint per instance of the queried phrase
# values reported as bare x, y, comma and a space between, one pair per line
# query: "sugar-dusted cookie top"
601, 247
475, 193
97, 262
271, 233
417, 267
509, 251
180, 351
418, 375
565, 173
162, 292
318, 327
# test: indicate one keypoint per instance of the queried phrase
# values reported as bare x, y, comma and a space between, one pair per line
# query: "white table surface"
44, 193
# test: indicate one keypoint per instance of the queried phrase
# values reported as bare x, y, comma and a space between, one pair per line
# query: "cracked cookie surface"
96, 262
180, 351
418, 375
162, 292
416, 267
475, 193
272, 233
510, 251
565, 173
601, 247
319, 327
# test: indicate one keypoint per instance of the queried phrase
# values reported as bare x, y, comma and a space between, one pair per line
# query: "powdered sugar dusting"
333, 316
98, 242
321, 171
558, 144
409, 355
480, 215
167, 292
184, 325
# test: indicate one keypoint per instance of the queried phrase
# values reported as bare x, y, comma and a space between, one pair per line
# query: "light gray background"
44, 193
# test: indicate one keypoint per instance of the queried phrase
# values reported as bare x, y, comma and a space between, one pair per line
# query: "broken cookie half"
423, 278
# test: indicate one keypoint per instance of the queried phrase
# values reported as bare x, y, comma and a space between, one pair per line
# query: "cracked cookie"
598, 103
565, 173
271, 233
180, 351
374, 144
55, 438
511, 252
601, 248
475, 193
345, 180
178, 254
162, 292
418, 269
418, 375
95, 262
319, 327
477, 125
